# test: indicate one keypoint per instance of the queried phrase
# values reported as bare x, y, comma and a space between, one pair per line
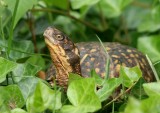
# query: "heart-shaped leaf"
43, 98
81, 94
5, 67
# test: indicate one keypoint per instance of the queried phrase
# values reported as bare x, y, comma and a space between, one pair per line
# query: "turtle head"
64, 54
55, 36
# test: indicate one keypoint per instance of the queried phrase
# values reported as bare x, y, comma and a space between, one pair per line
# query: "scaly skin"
66, 58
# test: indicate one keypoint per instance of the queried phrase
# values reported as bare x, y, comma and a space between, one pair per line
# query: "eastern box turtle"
81, 58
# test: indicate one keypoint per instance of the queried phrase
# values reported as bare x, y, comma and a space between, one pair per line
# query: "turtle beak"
48, 33
49, 36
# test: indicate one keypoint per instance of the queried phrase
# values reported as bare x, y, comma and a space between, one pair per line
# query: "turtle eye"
59, 37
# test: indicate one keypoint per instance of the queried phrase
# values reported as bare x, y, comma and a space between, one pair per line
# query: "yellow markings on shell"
115, 56
120, 50
97, 64
137, 63
118, 68
131, 55
84, 57
137, 55
88, 70
142, 65
148, 78
97, 70
103, 75
87, 64
123, 64
76, 51
116, 61
129, 51
93, 50
123, 54
92, 59
129, 60
143, 61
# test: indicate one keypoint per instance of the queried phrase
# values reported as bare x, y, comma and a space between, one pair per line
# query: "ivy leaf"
19, 49
23, 7
71, 109
63, 4
18, 110
108, 87
133, 106
76, 4
151, 21
37, 60
131, 15
11, 96
152, 89
5, 14
43, 98
73, 76
113, 8
130, 75
4, 108
99, 81
81, 94
151, 104
150, 43
24, 70
27, 86
5, 67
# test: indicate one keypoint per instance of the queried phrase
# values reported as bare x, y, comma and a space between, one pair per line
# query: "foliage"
23, 54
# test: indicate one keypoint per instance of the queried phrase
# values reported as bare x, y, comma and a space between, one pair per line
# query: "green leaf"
108, 87
151, 21
71, 109
113, 8
151, 104
24, 70
130, 75
27, 86
43, 98
63, 4
73, 76
18, 110
19, 49
11, 96
6, 66
5, 14
152, 89
134, 13
138, 90
133, 106
76, 4
99, 81
23, 7
37, 60
81, 94
4, 109
150, 43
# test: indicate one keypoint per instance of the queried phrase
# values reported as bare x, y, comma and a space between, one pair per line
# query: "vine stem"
119, 96
67, 14
32, 30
